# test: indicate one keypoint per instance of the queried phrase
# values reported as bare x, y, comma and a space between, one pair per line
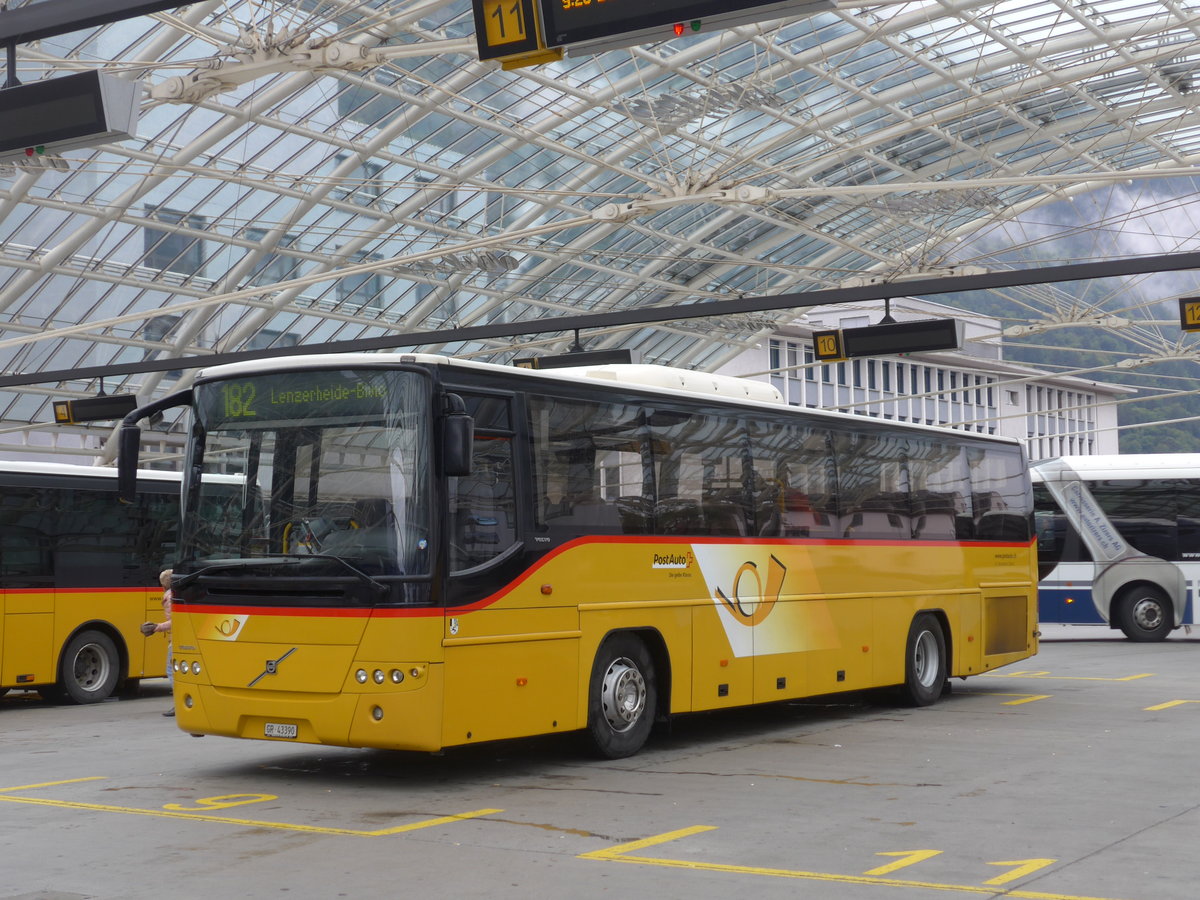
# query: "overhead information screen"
615, 23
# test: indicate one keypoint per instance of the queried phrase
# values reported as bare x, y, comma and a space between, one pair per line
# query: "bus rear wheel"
925, 662
622, 697
1143, 613
90, 668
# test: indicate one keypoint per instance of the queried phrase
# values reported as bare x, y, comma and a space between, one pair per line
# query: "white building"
972, 389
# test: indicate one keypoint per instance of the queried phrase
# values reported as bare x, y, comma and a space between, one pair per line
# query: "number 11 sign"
508, 30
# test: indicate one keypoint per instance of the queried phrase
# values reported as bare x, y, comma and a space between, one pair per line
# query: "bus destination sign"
319, 393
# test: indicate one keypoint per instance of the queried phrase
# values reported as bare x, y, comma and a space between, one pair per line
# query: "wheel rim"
91, 667
926, 659
1147, 614
623, 694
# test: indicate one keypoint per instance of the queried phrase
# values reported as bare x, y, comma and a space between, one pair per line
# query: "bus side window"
483, 505
873, 498
1001, 502
26, 539
589, 468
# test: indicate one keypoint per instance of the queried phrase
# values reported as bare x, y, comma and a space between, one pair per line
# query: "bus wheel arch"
926, 659
624, 692
91, 665
1143, 612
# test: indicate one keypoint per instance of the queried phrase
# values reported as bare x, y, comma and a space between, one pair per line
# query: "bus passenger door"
507, 645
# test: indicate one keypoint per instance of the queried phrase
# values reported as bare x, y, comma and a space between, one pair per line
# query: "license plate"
279, 730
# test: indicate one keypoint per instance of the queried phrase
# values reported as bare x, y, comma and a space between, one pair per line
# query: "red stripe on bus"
497, 596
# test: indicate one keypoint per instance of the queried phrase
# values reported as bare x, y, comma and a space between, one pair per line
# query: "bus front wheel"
90, 668
925, 662
622, 697
1144, 613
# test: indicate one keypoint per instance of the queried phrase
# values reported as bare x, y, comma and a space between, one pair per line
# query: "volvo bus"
1119, 541
429, 553
79, 575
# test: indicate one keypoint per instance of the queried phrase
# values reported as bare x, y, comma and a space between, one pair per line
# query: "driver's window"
483, 512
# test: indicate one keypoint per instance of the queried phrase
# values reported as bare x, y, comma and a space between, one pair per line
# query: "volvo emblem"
271, 667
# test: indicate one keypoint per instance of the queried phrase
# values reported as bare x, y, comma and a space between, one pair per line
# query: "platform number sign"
505, 28
827, 346
1189, 313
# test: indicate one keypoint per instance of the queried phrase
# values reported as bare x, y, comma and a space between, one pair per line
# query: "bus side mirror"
128, 443
129, 440
458, 436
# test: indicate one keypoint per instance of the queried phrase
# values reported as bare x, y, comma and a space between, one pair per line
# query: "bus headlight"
361, 676
397, 676
379, 676
195, 667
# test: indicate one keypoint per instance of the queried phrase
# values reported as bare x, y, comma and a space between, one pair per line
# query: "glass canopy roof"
327, 170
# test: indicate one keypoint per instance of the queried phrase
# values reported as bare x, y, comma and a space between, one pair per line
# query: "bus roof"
1139, 466
650, 378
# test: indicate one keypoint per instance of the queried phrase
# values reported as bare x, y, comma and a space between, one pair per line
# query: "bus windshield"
334, 464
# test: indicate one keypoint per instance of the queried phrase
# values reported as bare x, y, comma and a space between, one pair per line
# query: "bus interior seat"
371, 512
1002, 526
724, 517
591, 513
678, 515
635, 514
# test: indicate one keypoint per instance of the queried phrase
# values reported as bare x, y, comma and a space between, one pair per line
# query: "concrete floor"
1070, 775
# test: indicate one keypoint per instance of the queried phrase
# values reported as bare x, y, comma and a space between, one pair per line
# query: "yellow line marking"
225, 801
250, 823
29, 787
910, 858
1024, 867
621, 849
621, 853
1026, 698
1048, 675
1168, 705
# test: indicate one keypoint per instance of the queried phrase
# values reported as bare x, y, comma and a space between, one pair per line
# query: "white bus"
1119, 541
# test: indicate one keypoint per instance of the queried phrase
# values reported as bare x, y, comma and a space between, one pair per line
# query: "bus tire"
622, 697
1143, 613
925, 662
90, 668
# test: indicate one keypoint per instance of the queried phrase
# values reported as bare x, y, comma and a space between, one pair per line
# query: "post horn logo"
751, 609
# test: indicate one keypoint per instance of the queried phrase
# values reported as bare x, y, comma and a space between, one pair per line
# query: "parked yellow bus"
429, 552
79, 575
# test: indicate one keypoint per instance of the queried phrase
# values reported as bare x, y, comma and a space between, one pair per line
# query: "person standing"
149, 628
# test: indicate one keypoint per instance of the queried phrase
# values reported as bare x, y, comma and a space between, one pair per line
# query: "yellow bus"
430, 552
78, 576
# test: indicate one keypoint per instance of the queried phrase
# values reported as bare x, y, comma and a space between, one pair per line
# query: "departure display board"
570, 22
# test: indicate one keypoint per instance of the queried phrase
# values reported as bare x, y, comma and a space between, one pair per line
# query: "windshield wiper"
243, 563
289, 559
358, 573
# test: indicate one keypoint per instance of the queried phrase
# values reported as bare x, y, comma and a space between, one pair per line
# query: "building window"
268, 337
363, 185
362, 291
273, 267
440, 202
173, 251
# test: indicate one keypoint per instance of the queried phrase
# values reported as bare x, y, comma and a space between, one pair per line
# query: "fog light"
379, 676
377, 713
187, 700
397, 676
361, 675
